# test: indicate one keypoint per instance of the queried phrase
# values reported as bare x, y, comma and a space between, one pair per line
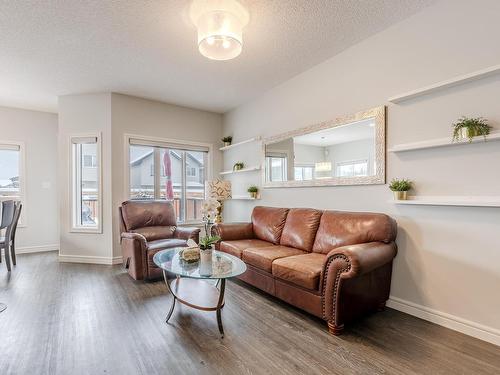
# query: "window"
352, 168
276, 168
86, 180
303, 173
171, 171
89, 161
12, 173
10, 168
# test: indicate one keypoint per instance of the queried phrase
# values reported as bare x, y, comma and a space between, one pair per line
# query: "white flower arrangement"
209, 210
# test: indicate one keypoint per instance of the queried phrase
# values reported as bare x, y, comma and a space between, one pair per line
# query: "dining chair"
8, 212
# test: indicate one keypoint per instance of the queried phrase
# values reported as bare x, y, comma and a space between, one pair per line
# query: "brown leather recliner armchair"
335, 265
146, 228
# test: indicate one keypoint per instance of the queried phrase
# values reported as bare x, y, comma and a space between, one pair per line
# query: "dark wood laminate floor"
89, 319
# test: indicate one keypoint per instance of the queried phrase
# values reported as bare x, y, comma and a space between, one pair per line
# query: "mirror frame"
379, 113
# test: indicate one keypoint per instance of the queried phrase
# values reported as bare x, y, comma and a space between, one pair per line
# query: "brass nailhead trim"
336, 284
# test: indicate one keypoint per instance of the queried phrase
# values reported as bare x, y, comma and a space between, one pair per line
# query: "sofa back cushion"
339, 228
300, 228
143, 214
268, 223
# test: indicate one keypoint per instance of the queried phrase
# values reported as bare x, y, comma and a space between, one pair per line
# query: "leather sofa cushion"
304, 270
139, 214
339, 228
268, 223
155, 233
263, 257
165, 244
236, 247
300, 228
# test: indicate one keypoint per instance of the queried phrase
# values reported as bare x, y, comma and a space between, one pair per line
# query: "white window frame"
351, 162
74, 189
163, 142
276, 155
20, 145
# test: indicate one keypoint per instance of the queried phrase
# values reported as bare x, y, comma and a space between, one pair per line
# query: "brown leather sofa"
335, 265
146, 228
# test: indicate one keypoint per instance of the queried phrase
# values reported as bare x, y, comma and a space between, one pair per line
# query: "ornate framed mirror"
344, 151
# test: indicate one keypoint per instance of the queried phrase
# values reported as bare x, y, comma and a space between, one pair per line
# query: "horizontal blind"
11, 147
81, 140
170, 145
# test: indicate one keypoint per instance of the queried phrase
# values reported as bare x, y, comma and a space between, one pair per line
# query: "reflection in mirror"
331, 154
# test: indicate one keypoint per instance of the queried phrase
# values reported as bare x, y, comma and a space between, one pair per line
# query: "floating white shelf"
249, 169
462, 201
441, 142
244, 198
444, 84
240, 143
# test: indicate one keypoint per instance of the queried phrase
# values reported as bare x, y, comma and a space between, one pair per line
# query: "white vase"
206, 262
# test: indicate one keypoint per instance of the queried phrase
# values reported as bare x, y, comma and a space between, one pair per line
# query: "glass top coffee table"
190, 287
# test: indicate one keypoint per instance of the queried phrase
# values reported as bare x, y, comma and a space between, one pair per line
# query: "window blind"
170, 145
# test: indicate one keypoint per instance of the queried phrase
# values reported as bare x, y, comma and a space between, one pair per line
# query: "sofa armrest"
363, 258
233, 231
186, 233
351, 262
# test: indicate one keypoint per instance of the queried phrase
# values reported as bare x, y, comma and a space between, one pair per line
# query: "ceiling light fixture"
220, 26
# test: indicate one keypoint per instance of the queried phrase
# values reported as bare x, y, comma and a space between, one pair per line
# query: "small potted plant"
400, 188
253, 190
238, 166
468, 128
227, 141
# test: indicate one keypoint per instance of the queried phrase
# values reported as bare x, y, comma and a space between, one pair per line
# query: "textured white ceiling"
148, 48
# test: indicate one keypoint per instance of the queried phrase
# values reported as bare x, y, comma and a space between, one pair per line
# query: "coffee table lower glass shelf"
190, 286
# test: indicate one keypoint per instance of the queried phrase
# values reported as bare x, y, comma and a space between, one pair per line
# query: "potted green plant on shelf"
468, 128
253, 190
227, 141
400, 188
238, 166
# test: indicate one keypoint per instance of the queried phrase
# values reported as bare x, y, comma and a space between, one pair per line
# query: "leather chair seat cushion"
303, 270
236, 247
156, 232
165, 244
263, 257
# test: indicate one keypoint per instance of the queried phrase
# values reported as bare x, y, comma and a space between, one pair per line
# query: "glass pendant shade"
220, 27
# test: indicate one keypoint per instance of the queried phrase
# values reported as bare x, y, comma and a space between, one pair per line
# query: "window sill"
86, 230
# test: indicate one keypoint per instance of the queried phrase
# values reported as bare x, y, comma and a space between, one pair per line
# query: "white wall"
38, 131
82, 115
447, 267
131, 115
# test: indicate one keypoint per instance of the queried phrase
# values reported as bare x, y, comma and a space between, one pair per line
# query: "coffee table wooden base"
198, 294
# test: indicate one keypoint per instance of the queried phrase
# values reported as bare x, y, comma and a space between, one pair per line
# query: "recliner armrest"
133, 236
233, 231
186, 233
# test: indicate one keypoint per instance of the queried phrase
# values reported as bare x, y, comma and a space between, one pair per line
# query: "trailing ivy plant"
475, 127
227, 139
400, 185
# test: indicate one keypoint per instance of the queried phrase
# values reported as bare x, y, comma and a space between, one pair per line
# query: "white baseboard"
36, 249
89, 259
453, 322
